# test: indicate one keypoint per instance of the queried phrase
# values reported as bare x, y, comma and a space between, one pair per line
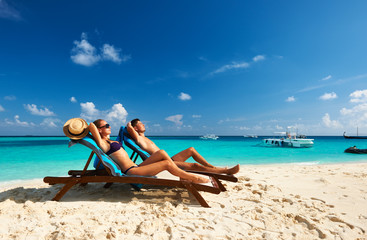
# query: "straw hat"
76, 128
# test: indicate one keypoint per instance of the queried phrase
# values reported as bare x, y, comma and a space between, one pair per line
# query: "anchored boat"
354, 137
289, 139
354, 149
250, 136
209, 136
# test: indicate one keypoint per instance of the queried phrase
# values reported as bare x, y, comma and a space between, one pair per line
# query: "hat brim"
79, 136
73, 136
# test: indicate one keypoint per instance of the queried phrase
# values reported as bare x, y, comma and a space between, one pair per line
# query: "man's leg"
191, 152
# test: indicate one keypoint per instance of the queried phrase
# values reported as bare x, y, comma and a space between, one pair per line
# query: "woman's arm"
97, 137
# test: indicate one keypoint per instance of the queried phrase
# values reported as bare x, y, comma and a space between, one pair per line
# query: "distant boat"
354, 149
354, 137
250, 136
209, 136
289, 139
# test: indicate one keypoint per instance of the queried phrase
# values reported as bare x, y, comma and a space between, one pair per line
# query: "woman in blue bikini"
156, 163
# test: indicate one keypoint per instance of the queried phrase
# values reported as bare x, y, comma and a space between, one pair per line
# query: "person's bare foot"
200, 180
234, 169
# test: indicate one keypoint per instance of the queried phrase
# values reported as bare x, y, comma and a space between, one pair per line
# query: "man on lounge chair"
136, 129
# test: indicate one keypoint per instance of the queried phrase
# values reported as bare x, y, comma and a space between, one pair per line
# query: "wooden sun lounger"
112, 174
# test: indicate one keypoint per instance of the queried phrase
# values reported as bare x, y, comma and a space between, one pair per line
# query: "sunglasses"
106, 126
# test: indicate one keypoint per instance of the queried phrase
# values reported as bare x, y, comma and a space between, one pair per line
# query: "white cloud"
116, 115
196, 116
244, 128
86, 54
8, 12
17, 122
2, 109
177, 119
358, 96
290, 99
50, 122
11, 97
357, 115
259, 58
279, 127
330, 123
89, 111
110, 53
33, 109
358, 109
328, 96
238, 65
337, 82
20, 123
73, 100
203, 58
234, 65
326, 78
184, 96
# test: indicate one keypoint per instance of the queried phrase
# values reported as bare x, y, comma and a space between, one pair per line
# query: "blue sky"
184, 67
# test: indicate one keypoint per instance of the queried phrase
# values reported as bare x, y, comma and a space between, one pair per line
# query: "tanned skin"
156, 163
137, 132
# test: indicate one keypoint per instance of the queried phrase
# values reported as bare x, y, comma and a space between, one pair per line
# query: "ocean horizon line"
258, 136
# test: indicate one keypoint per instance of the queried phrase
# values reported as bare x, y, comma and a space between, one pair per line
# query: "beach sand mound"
268, 202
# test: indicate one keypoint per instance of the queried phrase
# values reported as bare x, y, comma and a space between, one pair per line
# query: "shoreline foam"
326, 201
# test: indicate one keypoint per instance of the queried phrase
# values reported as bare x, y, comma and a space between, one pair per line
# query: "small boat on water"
289, 139
209, 136
250, 136
354, 149
354, 137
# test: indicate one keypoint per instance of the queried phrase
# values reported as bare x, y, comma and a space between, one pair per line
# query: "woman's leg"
191, 152
155, 157
199, 167
166, 164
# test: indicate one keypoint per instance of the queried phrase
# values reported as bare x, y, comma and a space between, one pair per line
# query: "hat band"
76, 134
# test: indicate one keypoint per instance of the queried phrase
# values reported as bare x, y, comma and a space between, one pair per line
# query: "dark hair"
98, 122
134, 122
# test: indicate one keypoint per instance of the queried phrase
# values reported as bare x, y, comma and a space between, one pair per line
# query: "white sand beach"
268, 202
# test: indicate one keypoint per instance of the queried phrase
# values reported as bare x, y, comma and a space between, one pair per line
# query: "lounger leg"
107, 185
64, 190
196, 194
220, 185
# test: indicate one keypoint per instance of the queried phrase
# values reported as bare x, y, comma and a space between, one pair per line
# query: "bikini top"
114, 146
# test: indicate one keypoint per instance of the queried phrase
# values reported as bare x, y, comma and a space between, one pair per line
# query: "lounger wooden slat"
191, 187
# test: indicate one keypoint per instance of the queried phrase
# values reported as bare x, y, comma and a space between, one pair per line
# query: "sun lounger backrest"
106, 160
124, 137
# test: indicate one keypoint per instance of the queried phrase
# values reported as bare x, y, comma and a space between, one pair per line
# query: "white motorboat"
250, 136
209, 136
289, 139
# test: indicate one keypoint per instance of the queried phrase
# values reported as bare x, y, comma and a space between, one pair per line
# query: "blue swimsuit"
115, 146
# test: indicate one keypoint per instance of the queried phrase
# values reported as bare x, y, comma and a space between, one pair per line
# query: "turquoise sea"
35, 157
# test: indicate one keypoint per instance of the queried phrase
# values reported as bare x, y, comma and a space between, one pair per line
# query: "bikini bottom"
130, 168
